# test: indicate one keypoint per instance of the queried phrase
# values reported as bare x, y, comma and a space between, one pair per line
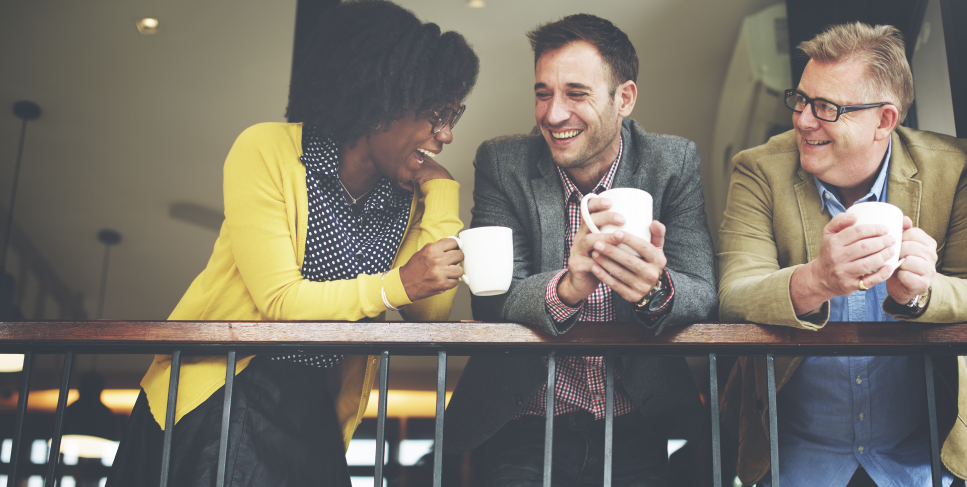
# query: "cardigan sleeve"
265, 240
437, 218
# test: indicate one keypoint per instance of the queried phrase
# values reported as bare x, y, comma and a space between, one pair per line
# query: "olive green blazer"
774, 222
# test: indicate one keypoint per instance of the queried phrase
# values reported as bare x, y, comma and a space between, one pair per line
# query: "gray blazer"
517, 186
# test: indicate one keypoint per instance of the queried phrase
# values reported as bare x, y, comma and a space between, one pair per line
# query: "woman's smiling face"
398, 151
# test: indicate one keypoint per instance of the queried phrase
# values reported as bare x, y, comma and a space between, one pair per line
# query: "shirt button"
862, 416
860, 449
826, 195
859, 380
358, 256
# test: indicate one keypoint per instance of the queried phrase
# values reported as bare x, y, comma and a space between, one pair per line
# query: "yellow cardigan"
254, 273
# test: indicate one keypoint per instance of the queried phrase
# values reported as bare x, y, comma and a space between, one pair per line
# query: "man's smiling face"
841, 153
574, 107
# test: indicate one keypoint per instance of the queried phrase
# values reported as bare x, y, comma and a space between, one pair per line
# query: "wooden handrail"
697, 338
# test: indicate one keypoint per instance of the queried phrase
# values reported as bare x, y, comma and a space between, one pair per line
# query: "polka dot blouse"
339, 244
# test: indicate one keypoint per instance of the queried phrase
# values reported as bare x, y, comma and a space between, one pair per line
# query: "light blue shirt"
837, 413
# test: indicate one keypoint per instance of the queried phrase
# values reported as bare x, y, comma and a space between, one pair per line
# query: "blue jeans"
514, 456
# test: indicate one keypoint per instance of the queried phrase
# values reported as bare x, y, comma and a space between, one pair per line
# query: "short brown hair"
612, 44
880, 48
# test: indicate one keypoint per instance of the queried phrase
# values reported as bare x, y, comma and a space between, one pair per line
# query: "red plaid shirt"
580, 381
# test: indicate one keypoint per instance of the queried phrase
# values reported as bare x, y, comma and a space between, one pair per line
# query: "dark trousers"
514, 456
283, 433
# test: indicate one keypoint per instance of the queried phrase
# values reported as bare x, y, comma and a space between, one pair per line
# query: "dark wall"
954, 13
307, 13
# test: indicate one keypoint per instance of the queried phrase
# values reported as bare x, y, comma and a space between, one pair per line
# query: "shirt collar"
570, 190
828, 194
319, 155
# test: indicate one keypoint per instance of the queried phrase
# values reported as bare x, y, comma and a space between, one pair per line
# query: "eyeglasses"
448, 116
824, 110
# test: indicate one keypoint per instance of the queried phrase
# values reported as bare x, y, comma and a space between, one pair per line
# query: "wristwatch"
653, 299
916, 305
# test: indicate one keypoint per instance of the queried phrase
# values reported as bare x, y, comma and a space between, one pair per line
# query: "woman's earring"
376, 125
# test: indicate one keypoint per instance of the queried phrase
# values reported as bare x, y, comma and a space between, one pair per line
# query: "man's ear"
625, 96
889, 118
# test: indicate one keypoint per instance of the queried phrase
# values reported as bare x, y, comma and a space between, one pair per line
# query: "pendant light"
90, 428
13, 362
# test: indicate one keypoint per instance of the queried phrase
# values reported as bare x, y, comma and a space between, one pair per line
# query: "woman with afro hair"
338, 216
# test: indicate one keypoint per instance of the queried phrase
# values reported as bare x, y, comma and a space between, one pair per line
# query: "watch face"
658, 299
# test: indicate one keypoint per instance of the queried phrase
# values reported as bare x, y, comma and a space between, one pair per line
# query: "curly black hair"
372, 61
612, 43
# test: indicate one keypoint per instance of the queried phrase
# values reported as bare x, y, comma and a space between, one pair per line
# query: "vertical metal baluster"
54, 453
381, 417
713, 385
441, 397
18, 424
773, 419
608, 416
935, 470
549, 418
226, 419
170, 415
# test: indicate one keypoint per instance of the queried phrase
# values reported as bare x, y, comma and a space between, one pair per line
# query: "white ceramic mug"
488, 259
876, 213
633, 204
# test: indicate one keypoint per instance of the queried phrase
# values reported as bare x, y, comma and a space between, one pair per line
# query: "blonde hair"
879, 48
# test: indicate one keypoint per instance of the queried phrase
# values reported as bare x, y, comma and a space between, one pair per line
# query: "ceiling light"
88, 423
476, 3
147, 25
10, 362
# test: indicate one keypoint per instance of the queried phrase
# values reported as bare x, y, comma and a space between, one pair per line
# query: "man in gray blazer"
585, 87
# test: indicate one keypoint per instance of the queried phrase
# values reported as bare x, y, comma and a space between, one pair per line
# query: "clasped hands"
596, 258
852, 257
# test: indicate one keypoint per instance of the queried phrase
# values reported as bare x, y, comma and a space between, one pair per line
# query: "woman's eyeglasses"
446, 116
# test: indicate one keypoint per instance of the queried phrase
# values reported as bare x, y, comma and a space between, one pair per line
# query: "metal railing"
465, 338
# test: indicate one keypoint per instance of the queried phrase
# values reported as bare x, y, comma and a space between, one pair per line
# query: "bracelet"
382, 292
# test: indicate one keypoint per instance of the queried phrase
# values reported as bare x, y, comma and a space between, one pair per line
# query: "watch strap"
661, 304
915, 307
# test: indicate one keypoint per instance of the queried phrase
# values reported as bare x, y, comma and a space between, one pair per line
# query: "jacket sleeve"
688, 247
264, 242
753, 287
524, 302
949, 285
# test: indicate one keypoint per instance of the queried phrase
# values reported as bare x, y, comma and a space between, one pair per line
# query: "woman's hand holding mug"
432, 270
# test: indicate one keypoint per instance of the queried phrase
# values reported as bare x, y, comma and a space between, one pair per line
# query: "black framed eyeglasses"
826, 111
447, 116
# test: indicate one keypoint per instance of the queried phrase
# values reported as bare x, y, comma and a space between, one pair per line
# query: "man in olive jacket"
789, 255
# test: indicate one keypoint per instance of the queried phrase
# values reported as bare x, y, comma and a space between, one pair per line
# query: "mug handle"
585, 215
460, 246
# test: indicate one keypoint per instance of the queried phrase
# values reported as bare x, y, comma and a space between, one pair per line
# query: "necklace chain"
353, 203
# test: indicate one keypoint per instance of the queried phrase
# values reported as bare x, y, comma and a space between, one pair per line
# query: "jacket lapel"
813, 220
903, 190
628, 176
549, 198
